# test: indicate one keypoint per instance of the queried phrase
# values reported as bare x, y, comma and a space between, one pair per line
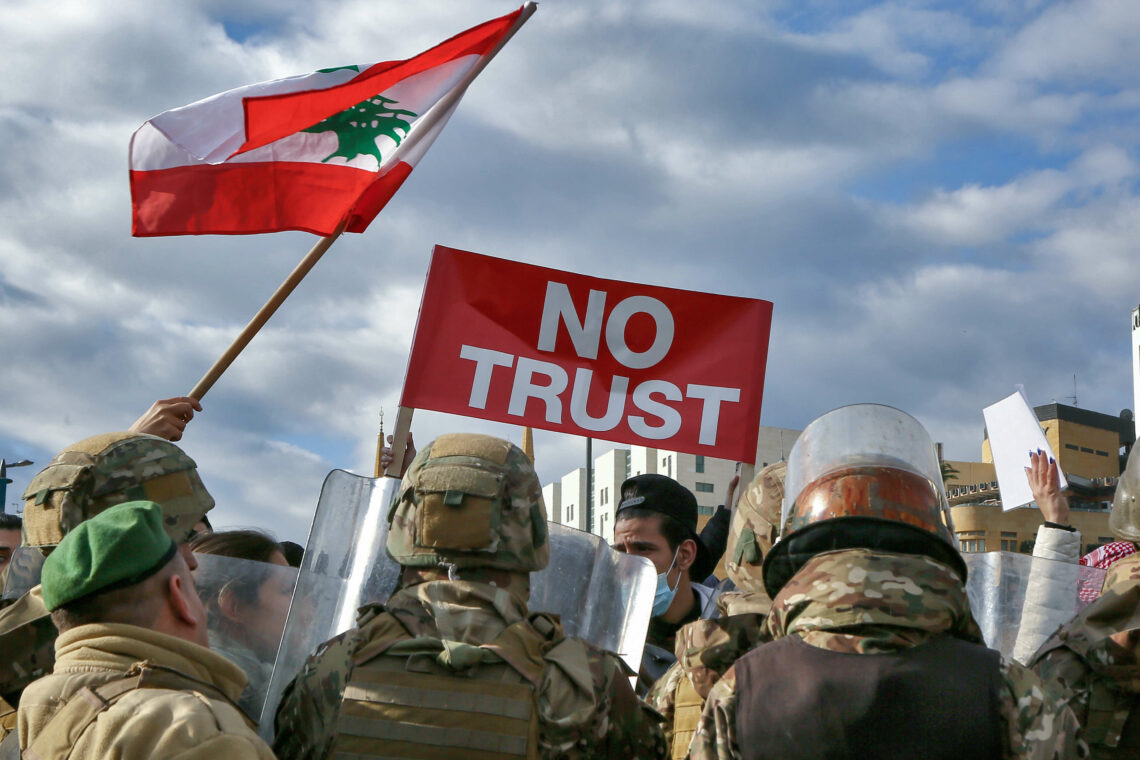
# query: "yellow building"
1088, 446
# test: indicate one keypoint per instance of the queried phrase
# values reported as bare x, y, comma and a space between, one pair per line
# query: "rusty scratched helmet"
1124, 521
862, 476
470, 500
97, 473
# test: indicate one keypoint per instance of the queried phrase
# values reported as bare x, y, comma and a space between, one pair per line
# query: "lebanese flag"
306, 152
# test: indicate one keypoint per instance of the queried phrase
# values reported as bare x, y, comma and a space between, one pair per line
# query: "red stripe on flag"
252, 198
271, 117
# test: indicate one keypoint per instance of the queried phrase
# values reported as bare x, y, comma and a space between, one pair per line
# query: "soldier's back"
529, 691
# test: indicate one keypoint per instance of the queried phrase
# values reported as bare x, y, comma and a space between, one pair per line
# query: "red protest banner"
528, 345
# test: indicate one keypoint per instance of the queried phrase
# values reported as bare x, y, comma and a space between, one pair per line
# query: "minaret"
1136, 361
377, 470
528, 443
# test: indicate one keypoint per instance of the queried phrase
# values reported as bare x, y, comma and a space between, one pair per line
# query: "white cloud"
655, 142
1076, 42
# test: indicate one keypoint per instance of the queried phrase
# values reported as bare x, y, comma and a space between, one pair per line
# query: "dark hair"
215, 580
672, 529
294, 553
240, 544
10, 522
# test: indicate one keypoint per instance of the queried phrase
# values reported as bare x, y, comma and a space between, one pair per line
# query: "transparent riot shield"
23, 572
346, 565
1019, 600
601, 595
246, 606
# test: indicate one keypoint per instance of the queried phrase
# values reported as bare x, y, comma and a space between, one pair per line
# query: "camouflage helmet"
862, 476
470, 500
99, 472
1124, 570
1124, 521
755, 526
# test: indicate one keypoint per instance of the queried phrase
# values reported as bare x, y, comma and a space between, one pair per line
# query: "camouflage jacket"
706, 649
27, 650
586, 706
866, 602
1099, 678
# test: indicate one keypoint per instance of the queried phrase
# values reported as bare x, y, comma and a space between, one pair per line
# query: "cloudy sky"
940, 199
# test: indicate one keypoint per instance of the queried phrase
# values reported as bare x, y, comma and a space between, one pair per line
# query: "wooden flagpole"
263, 315
440, 110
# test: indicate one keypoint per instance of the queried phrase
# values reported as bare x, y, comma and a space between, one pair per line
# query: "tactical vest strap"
687, 708
58, 737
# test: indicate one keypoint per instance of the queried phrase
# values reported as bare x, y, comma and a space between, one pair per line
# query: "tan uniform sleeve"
229, 747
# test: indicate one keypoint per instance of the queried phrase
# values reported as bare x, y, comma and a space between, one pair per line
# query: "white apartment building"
706, 477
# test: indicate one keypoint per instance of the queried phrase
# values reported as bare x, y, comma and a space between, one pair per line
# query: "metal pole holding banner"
589, 485
747, 473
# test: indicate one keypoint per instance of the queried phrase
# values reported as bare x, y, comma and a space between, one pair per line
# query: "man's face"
9, 540
642, 537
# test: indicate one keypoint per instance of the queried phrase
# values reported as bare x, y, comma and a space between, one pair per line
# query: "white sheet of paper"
1014, 431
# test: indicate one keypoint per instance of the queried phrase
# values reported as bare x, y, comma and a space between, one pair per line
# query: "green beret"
120, 547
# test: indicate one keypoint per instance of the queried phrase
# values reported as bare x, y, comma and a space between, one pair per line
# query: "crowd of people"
130, 628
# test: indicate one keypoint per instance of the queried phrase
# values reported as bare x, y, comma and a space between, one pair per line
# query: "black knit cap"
665, 495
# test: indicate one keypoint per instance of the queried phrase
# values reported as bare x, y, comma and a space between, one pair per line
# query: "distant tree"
948, 471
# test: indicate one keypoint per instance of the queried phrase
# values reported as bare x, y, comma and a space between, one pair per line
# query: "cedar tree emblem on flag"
307, 153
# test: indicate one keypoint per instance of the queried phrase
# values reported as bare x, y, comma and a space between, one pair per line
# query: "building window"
705, 510
1071, 446
705, 487
972, 541
569, 513
1008, 541
699, 463
1100, 453
1086, 449
605, 497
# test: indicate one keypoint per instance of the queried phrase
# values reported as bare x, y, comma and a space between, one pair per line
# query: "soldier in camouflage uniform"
83, 480
454, 665
1093, 659
706, 648
865, 566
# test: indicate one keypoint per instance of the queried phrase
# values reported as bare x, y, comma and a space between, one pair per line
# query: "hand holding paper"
1013, 431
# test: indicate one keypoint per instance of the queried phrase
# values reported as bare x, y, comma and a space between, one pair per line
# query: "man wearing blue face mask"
657, 519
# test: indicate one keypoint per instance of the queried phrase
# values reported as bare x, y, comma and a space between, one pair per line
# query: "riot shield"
601, 595
246, 605
346, 565
1019, 601
23, 571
